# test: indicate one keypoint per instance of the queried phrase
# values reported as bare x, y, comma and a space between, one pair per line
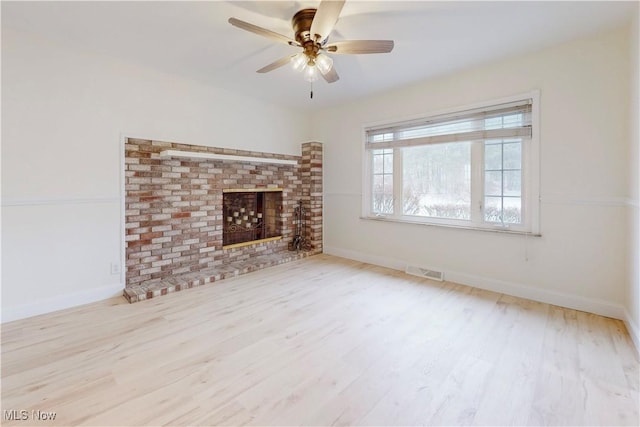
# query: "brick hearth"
153, 289
174, 214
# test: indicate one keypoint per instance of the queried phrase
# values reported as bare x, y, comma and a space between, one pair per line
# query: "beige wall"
64, 113
580, 260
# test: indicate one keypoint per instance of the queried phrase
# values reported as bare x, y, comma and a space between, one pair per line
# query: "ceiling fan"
312, 28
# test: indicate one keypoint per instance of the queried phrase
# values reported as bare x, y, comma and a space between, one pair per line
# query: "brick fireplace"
176, 216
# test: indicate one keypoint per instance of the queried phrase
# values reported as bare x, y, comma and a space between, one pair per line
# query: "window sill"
461, 227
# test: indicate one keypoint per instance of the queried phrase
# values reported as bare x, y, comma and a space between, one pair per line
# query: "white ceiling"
194, 39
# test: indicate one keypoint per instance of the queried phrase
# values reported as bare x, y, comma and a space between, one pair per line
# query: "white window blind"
498, 121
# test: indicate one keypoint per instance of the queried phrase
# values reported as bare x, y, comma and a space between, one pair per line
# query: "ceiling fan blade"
275, 64
331, 75
261, 31
325, 19
361, 46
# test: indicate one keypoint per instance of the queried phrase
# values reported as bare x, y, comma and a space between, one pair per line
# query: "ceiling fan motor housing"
301, 23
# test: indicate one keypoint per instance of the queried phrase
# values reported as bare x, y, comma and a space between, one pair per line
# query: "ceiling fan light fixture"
311, 73
324, 63
299, 61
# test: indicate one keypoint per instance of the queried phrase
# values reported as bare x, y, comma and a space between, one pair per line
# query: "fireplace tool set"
300, 241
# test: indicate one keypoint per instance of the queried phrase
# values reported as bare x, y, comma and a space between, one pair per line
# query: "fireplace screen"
251, 215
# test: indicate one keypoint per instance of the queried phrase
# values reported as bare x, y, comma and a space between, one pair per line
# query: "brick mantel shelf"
214, 156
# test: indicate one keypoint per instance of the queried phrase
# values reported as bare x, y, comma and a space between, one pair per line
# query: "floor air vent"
425, 272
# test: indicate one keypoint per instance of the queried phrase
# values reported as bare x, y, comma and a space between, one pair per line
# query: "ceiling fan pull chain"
311, 90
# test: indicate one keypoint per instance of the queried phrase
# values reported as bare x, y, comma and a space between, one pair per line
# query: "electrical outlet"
115, 268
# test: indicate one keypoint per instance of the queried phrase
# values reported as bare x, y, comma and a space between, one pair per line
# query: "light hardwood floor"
321, 341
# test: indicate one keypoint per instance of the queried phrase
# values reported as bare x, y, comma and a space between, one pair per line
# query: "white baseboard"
362, 257
633, 329
576, 302
591, 305
60, 302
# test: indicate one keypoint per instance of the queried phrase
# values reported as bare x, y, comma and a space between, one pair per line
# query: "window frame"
530, 184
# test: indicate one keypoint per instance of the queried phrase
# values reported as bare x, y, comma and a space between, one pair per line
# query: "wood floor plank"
321, 341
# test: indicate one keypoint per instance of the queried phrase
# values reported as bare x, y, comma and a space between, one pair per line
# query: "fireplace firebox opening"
251, 216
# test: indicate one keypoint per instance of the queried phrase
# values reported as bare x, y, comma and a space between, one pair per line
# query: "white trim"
214, 156
633, 329
575, 302
123, 206
365, 184
533, 173
58, 201
381, 261
60, 302
449, 224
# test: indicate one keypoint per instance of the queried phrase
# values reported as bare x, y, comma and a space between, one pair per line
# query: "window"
474, 168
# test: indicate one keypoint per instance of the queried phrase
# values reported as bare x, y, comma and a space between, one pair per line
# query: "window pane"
378, 183
381, 137
388, 184
388, 203
493, 209
493, 183
377, 164
493, 156
512, 183
382, 203
512, 212
503, 180
382, 184
410, 203
513, 155
388, 163
436, 181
